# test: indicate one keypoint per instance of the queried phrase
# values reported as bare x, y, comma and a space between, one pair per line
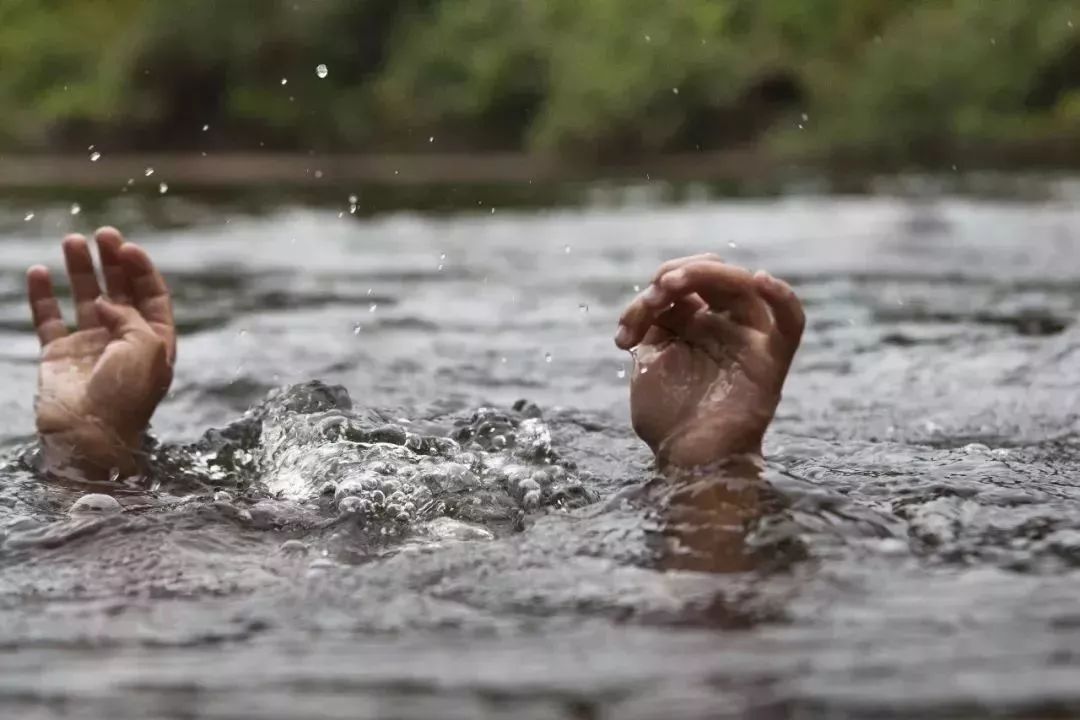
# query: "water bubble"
29, 217
353, 199
222, 497
96, 503
163, 188
76, 208
547, 357
149, 172
321, 70
95, 156
284, 81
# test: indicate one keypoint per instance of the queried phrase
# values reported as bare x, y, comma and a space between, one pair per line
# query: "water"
926, 451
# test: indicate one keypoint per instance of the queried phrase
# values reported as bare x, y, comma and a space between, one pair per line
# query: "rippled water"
438, 551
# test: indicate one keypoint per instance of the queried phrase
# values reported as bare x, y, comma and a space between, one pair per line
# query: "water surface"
926, 447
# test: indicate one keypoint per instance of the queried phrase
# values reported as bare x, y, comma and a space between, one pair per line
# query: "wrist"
88, 445
703, 447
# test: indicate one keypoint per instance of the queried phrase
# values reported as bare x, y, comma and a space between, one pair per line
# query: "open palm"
99, 385
713, 347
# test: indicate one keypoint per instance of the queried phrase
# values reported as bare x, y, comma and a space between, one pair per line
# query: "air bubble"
321, 70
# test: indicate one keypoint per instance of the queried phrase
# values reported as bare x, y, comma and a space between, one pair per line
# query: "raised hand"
713, 347
99, 385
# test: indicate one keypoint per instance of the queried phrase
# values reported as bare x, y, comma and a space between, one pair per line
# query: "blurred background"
515, 90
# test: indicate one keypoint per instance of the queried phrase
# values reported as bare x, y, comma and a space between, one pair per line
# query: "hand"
98, 386
715, 346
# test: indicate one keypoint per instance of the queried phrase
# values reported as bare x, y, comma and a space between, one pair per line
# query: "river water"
926, 450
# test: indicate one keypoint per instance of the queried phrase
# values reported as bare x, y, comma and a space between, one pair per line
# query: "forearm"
707, 512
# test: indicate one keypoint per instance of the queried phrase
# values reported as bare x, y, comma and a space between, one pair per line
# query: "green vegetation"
595, 81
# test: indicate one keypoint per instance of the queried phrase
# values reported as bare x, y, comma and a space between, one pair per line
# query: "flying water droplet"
284, 81
353, 199
205, 128
29, 217
76, 208
431, 139
637, 288
675, 90
621, 373
566, 249
732, 245
318, 174
352, 209
357, 327
547, 358
95, 156
149, 172
163, 188
321, 70
373, 307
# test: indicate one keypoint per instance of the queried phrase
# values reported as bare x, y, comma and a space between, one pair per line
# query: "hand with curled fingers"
712, 345
99, 385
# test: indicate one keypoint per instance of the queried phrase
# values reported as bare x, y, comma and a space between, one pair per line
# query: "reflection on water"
427, 545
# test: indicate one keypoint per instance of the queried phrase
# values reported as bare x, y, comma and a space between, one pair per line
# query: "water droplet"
369, 292
637, 288
373, 307
443, 256
547, 357
89, 147
131, 181
95, 156
503, 359
805, 117
492, 211
431, 139
732, 245
353, 199
352, 209
284, 81
163, 188
321, 70
149, 172
440, 268
675, 90
76, 208
648, 38
318, 174
644, 369
357, 327
205, 128
621, 373
566, 249
29, 217
583, 307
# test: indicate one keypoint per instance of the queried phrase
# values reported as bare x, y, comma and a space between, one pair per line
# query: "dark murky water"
437, 553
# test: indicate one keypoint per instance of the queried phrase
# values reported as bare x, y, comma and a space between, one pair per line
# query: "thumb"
120, 320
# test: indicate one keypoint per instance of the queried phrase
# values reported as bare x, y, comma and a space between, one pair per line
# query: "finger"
788, 315
43, 305
109, 240
670, 265
725, 288
84, 284
678, 319
123, 321
639, 315
150, 293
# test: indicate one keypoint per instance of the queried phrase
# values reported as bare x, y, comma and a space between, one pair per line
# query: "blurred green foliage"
595, 80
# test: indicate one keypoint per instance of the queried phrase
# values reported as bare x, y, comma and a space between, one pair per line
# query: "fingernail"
653, 296
622, 336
